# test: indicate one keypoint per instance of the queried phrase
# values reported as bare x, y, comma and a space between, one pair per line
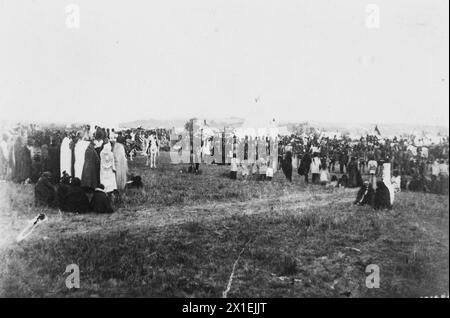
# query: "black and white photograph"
224, 153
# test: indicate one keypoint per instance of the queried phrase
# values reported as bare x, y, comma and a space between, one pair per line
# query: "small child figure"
324, 175
269, 171
254, 168
262, 169
234, 167
244, 169
396, 181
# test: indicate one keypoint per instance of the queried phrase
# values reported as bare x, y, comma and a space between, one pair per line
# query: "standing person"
234, 167
121, 163
343, 160
17, 155
154, 150
315, 168
333, 159
269, 171
36, 159
443, 176
287, 166
435, 176
44, 158
353, 173
362, 160
107, 168
305, 165
54, 159
324, 175
11, 159
65, 156
80, 151
23, 162
90, 177
4, 157
262, 169
98, 142
112, 135
145, 147
372, 166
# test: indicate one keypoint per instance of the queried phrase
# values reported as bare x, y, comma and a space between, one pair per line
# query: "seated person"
382, 197
100, 202
396, 181
416, 184
334, 182
343, 181
262, 169
134, 183
44, 192
324, 175
244, 170
76, 199
365, 195
61, 191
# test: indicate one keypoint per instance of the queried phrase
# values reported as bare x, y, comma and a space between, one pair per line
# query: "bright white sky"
302, 60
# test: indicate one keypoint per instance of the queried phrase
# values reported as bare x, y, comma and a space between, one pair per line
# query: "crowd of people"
76, 171
414, 166
79, 170
380, 167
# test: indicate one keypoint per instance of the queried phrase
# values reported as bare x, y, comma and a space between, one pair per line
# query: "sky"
325, 60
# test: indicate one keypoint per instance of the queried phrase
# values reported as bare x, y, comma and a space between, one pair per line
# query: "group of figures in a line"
66, 165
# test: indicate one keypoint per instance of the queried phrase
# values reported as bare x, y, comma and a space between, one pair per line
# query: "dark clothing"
365, 196
53, 162
44, 192
305, 164
36, 167
72, 165
343, 181
61, 195
353, 174
416, 185
287, 166
23, 164
76, 200
100, 203
343, 159
135, 182
315, 177
90, 177
382, 197
44, 158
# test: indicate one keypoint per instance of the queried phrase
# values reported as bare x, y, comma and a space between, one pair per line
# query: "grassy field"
181, 236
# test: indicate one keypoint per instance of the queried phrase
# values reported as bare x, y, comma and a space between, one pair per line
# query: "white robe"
80, 151
387, 180
107, 168
65, 156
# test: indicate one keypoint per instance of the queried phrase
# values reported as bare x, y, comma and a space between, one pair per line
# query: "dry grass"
181, 236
